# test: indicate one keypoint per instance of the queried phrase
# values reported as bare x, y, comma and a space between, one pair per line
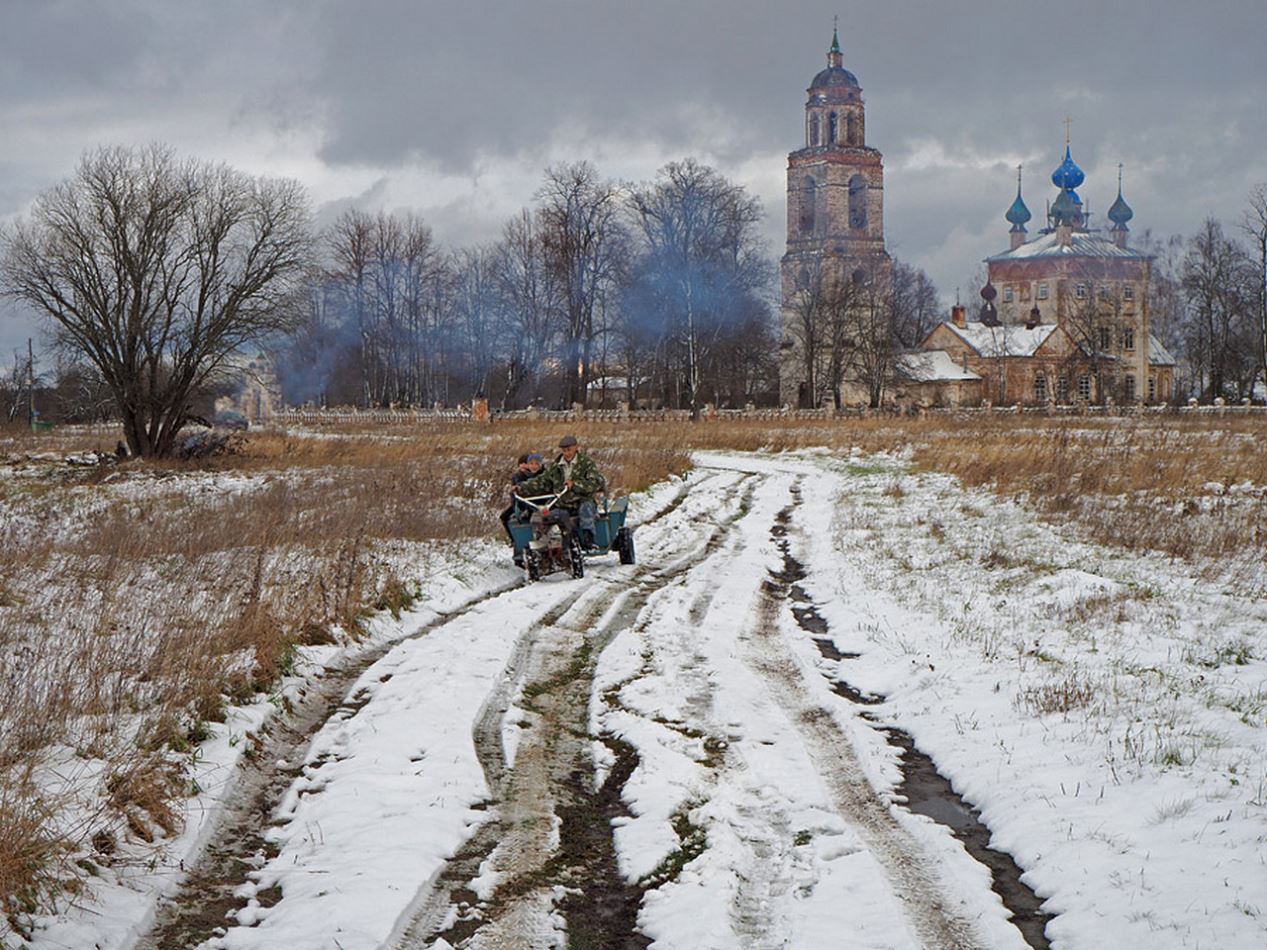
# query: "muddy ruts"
552, 671
923, 790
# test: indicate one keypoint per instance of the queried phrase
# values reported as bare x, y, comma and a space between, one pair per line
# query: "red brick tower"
835, 210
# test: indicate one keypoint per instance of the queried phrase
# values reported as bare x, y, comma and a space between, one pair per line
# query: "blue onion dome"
1067, 174
1121, 212
1018, 214
988, 292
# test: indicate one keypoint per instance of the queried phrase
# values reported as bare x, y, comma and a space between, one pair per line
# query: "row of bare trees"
655, 293
1208, 304
846, 328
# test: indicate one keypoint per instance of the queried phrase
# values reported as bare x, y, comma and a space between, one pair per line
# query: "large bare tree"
584, 245
157, 270
703, 253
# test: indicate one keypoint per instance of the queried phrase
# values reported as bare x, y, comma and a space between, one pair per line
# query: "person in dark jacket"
529, 467
575, 475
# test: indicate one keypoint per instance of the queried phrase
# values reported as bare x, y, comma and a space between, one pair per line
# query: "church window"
1007, 294
813, 130
802, 279
1040, 388
1128, 338
851, 126
857, 202
857, 277
1084, 387
831, 129
1152, 388
1042, 291
1080, 291
1128, 292
1062, 389
809, 197
1128, 388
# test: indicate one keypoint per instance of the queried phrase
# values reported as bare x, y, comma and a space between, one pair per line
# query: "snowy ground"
1106, 714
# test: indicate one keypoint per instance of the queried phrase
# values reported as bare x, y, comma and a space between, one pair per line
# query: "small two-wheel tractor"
543, 548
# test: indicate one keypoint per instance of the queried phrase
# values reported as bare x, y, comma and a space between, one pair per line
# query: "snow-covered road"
702, 750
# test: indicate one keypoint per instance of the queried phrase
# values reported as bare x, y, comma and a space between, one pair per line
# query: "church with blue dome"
1064, 314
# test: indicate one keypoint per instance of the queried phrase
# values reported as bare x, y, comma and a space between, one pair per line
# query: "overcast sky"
452, 109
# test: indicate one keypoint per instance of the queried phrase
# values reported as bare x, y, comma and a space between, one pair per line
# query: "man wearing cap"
575, 475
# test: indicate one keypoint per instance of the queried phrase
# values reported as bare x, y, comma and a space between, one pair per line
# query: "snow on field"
1105, 713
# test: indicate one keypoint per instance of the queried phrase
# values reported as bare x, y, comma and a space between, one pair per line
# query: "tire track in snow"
903, 859
200, 907
544, 833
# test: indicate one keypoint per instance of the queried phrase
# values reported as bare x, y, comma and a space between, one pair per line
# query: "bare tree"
1218, 289
914, 307
583, 238
699, 232
157, 270
1255, 226
533, 299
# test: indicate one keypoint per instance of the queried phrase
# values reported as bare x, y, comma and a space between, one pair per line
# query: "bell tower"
835, 212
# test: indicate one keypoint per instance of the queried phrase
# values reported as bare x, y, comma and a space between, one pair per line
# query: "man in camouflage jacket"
575, 474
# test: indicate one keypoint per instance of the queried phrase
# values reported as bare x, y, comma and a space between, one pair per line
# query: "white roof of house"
1004, 340
932, 366
1081, 244
1158, 355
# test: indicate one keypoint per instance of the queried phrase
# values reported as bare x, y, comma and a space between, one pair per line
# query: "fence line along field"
139, 599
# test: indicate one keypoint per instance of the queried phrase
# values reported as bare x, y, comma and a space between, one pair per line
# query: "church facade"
1064, 316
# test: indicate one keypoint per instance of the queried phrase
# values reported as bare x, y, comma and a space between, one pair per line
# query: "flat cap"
566, 441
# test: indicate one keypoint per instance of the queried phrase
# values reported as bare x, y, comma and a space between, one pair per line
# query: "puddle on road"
923, 790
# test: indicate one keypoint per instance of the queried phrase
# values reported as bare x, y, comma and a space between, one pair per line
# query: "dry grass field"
137, 598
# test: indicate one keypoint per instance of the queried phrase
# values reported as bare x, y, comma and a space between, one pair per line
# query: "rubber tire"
575, 558
532, 565
625, 546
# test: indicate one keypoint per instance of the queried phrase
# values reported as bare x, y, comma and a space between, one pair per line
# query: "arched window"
813, 130
831, 129
857, 202
809, 197
851, 126
802, 279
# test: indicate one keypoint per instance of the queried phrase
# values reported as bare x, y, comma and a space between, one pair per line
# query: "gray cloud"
453, 109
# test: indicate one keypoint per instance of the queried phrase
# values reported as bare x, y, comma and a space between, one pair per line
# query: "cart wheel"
576, 559
532, 565
625, 546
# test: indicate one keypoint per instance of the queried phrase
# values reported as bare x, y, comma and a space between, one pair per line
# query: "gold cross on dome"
1068, 123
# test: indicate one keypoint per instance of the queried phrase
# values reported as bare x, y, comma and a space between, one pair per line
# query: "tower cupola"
1120, 213
1018, 215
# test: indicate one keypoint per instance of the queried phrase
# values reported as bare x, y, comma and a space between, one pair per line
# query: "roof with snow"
1081, 244
1158, 355
932, 366
1003, 340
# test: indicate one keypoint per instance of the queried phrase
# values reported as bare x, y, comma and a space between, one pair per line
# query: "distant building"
835, 218
1064, 317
